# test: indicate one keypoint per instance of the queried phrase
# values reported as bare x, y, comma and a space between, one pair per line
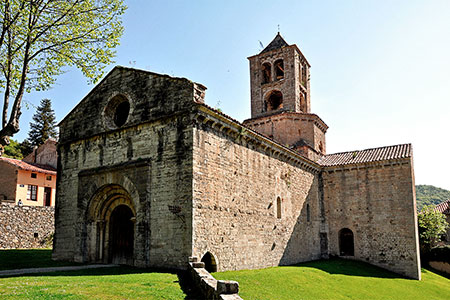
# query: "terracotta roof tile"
33, 167
367, 155
443, 207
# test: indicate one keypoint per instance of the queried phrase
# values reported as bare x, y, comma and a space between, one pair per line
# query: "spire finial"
278, 28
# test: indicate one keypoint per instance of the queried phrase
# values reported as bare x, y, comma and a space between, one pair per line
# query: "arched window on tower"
279, 69
320, 147
304, 75
266, 73
278, 208
274, 101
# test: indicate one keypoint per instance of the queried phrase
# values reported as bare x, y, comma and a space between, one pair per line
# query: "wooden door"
47, 196
121, 235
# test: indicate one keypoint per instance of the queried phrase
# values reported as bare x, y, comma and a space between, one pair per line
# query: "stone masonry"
148, 175
26, 226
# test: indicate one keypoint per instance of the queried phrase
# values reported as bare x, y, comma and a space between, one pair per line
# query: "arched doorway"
111, 226
346, 242
210, 262
121, 235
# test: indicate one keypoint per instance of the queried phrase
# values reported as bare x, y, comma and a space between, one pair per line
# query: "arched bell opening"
266, 73
274, 101
210, 262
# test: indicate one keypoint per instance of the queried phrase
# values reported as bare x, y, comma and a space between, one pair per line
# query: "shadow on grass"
350, 268
29, 258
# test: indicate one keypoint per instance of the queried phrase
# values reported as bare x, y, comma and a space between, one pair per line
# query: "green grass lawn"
326, 279
109, 284
106, 283
335, 279
34, 258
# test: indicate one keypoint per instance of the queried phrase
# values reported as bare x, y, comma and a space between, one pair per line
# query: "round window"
121, 113
116, 112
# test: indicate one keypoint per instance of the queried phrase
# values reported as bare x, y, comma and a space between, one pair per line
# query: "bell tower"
280, 99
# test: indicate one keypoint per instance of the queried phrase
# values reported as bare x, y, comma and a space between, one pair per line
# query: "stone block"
227, 287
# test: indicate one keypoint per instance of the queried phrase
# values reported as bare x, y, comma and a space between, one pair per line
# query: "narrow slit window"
278, 208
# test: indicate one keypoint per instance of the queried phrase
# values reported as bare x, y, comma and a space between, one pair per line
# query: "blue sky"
380, 70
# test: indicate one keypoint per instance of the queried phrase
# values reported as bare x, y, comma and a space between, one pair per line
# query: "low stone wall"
211, 288
26, 226
440, 266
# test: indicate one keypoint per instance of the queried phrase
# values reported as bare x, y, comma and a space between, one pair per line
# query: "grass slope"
335, 279
428, 194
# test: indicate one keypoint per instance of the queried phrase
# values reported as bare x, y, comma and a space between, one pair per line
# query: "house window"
278, 208
32, 192
49, 177
33, 175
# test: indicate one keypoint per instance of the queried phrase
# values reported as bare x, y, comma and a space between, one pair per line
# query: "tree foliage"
432, 225
430, 195
38, 38
13, 150
43, 126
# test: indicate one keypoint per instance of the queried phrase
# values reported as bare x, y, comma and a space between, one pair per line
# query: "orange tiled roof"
367, 155
33, 167
443, 207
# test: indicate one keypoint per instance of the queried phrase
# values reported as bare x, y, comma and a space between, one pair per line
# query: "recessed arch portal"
346, 242
112, 217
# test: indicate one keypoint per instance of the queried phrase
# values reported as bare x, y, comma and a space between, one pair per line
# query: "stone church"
149, 175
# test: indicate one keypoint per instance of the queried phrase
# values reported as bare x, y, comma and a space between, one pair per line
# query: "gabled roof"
33, 167
367, 155
277, 43
443, 207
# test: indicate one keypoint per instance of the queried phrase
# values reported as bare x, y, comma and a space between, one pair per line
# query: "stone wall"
148, 160
26, 226
376, 202
208, 286
289, 85
8, 182
236, 186
289, 128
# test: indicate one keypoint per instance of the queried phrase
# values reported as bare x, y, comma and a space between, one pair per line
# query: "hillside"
428, 194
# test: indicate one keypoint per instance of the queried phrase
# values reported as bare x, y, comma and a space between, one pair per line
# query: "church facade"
149, 175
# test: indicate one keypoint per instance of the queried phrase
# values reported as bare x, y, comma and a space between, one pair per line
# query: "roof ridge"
375, 148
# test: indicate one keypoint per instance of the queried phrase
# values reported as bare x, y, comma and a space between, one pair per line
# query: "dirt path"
51, 269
